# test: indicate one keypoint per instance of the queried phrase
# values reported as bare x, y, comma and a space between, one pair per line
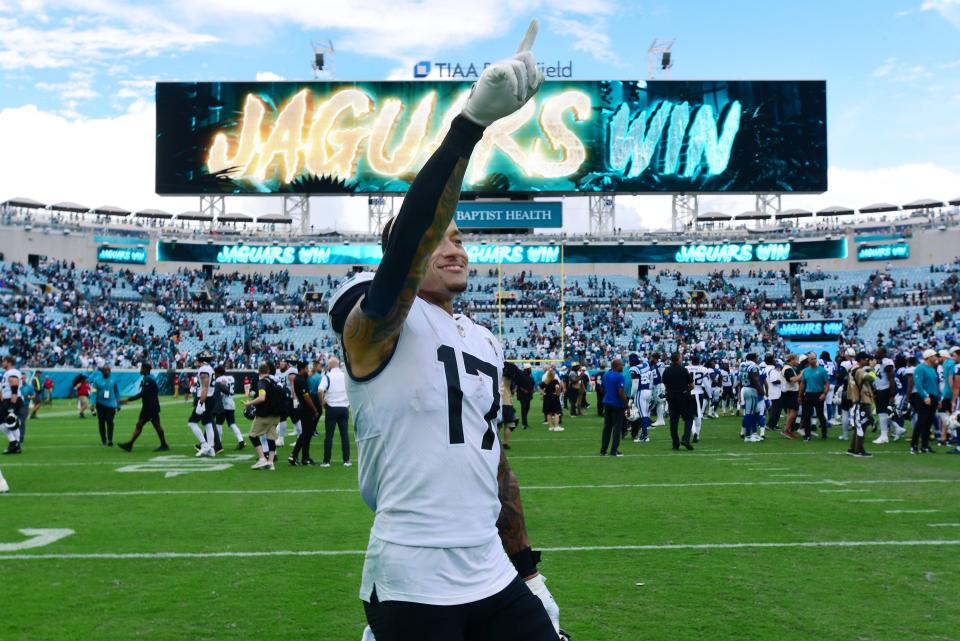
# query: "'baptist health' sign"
509, 214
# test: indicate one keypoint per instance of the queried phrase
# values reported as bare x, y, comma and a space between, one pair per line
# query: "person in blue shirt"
813, 393
926, 395
946, 395
107, 403
614, 408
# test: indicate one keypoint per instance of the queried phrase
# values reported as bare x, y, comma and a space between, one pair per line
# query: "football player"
203, 406
448, 556
225, 385
11, 404
700, 392
752, 393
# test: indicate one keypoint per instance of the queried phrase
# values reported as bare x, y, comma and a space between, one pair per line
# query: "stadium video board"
889, 251
122, 255
573, 137
810, 330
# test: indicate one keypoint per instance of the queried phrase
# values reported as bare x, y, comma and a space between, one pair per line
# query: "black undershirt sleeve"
417, 215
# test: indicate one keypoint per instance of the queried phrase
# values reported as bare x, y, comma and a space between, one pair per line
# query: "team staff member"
270, 403
860, 392
598, 387
790, 400
813, 391
108, 399
333, 395
615, 404
525, 386
678, 383
82, 388
926, 395
775, 388
306, 415
37, 385
946, 395
149, 396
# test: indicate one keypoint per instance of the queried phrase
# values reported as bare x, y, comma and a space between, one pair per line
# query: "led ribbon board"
720, 253
890, 251
339, 254
572, 137
122, 255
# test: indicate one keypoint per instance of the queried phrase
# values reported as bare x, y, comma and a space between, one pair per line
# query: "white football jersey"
701, 378
287, 383
882, 382
198, 387
228, 383
428, 456
5, 384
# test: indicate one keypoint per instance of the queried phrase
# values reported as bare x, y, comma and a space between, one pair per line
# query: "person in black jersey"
305, 413
678, 383
149, 396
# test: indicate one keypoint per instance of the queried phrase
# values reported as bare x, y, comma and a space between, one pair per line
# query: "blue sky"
78, 74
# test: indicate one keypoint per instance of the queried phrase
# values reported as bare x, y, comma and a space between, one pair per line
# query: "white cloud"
268, 76
899, 71
100, 30
949, 9
588, 36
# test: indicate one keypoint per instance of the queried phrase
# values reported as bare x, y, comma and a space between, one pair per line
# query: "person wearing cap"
790, 398
926, 395
860, 392
813, 392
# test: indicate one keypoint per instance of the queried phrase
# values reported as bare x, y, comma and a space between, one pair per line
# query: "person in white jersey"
700, 392
884, 386
225, 385
448, 557
11, 403
203, 406
286, 375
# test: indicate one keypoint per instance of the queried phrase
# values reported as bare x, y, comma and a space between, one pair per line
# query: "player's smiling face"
447, 270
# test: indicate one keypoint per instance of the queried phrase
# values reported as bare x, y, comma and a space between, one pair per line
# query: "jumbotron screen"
572, 137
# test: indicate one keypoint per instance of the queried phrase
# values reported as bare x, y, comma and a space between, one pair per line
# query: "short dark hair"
146, 366
219, 370
675, 358
264, 368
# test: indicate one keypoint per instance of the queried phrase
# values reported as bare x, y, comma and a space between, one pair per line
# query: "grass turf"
654, 500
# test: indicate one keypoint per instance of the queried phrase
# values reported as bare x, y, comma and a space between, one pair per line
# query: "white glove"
201, 408
507, 85
368, 635
538, 585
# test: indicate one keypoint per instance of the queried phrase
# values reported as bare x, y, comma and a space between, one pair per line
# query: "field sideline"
773, 541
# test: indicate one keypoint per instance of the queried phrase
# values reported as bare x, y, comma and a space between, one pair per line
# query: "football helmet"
250, 411
633, 412
11, 421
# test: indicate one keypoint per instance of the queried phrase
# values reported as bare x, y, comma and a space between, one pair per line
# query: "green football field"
772, 541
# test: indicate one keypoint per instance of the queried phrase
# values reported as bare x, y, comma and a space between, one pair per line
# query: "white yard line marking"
910, 511
593, 548
876, 500
943, 524
60, 414
790, 476
771, 469
841, 491
525, 488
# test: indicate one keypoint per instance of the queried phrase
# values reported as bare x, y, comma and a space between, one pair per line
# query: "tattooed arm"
373, 325
511, 524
